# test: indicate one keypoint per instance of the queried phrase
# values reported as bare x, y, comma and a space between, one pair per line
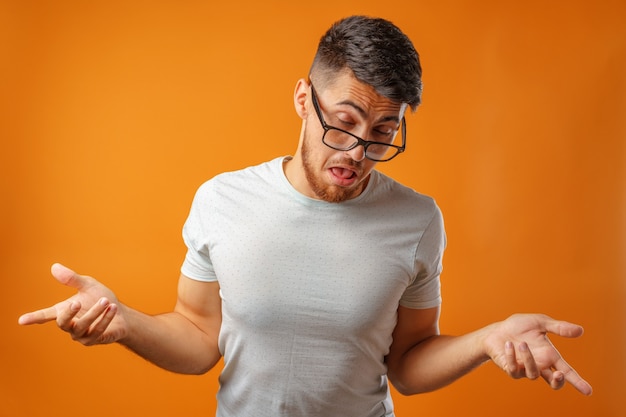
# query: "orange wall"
112, 113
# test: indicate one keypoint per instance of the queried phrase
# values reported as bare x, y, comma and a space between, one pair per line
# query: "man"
315, 276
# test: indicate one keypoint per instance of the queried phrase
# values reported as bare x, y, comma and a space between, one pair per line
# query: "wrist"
485, 341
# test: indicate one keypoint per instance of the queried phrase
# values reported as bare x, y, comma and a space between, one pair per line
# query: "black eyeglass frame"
359, 141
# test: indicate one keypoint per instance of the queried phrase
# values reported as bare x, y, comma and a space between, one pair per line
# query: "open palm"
521, 347
91, 316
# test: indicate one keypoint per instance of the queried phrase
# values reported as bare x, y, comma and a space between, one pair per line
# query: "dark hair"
377, 52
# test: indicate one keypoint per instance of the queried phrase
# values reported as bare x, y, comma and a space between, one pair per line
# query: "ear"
300, 96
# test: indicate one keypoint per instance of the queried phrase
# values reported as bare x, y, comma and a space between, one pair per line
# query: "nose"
357, 153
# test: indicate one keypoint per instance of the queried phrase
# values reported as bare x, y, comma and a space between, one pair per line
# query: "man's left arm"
422, 360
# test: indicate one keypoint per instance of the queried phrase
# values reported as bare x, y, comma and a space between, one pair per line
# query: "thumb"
65, 276
68, 277
563, 328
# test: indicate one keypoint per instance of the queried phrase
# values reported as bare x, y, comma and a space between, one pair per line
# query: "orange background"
112, 114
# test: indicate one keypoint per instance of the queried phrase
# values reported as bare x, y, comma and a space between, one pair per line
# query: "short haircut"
377, 52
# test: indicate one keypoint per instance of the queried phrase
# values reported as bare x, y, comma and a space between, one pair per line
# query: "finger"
82, 325
573, 378
511, 365
555, 379
530, 366
38, 317
66, 313
65, 276
98, 329
68, 277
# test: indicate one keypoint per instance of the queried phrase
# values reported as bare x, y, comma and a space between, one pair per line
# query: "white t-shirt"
310, 289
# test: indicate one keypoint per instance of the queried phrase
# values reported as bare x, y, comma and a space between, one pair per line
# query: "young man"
315, 276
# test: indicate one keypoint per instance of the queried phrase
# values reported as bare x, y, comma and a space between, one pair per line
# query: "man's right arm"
183, 341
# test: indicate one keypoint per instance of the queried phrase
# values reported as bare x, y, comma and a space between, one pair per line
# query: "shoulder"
240, 181
396, 194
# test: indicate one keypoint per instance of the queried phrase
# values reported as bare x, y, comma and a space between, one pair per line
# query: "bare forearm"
437, 362
171, 341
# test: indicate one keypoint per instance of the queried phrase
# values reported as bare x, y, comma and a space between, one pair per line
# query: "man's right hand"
91, 316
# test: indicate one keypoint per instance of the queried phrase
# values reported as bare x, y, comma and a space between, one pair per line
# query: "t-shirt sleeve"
197, 264
425, 290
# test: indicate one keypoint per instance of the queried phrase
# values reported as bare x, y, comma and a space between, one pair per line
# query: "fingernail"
104, 301
523, 347
508, 345
74, 306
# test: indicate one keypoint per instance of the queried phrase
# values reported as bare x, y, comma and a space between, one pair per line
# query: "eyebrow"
363, 113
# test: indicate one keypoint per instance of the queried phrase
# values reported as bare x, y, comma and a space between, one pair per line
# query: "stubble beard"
323, 191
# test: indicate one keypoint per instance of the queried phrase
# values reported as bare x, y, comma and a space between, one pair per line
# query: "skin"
355, 107
420, 358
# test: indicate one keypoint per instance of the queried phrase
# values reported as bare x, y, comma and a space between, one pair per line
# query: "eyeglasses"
342, 140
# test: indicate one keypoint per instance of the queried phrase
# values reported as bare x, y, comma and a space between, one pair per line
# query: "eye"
384, 132
345, 121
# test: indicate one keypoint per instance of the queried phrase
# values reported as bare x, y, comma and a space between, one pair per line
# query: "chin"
335, 194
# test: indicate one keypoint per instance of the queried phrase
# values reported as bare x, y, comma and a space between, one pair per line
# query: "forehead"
346, 92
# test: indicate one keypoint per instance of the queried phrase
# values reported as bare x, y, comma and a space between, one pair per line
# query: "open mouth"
343, 176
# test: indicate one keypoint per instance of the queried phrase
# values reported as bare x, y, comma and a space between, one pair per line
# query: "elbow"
409, 380
204, 368
407, 390
403, 389
198, 372
402, 385
195, 366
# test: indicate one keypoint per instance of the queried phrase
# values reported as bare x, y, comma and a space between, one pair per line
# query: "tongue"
342, 172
